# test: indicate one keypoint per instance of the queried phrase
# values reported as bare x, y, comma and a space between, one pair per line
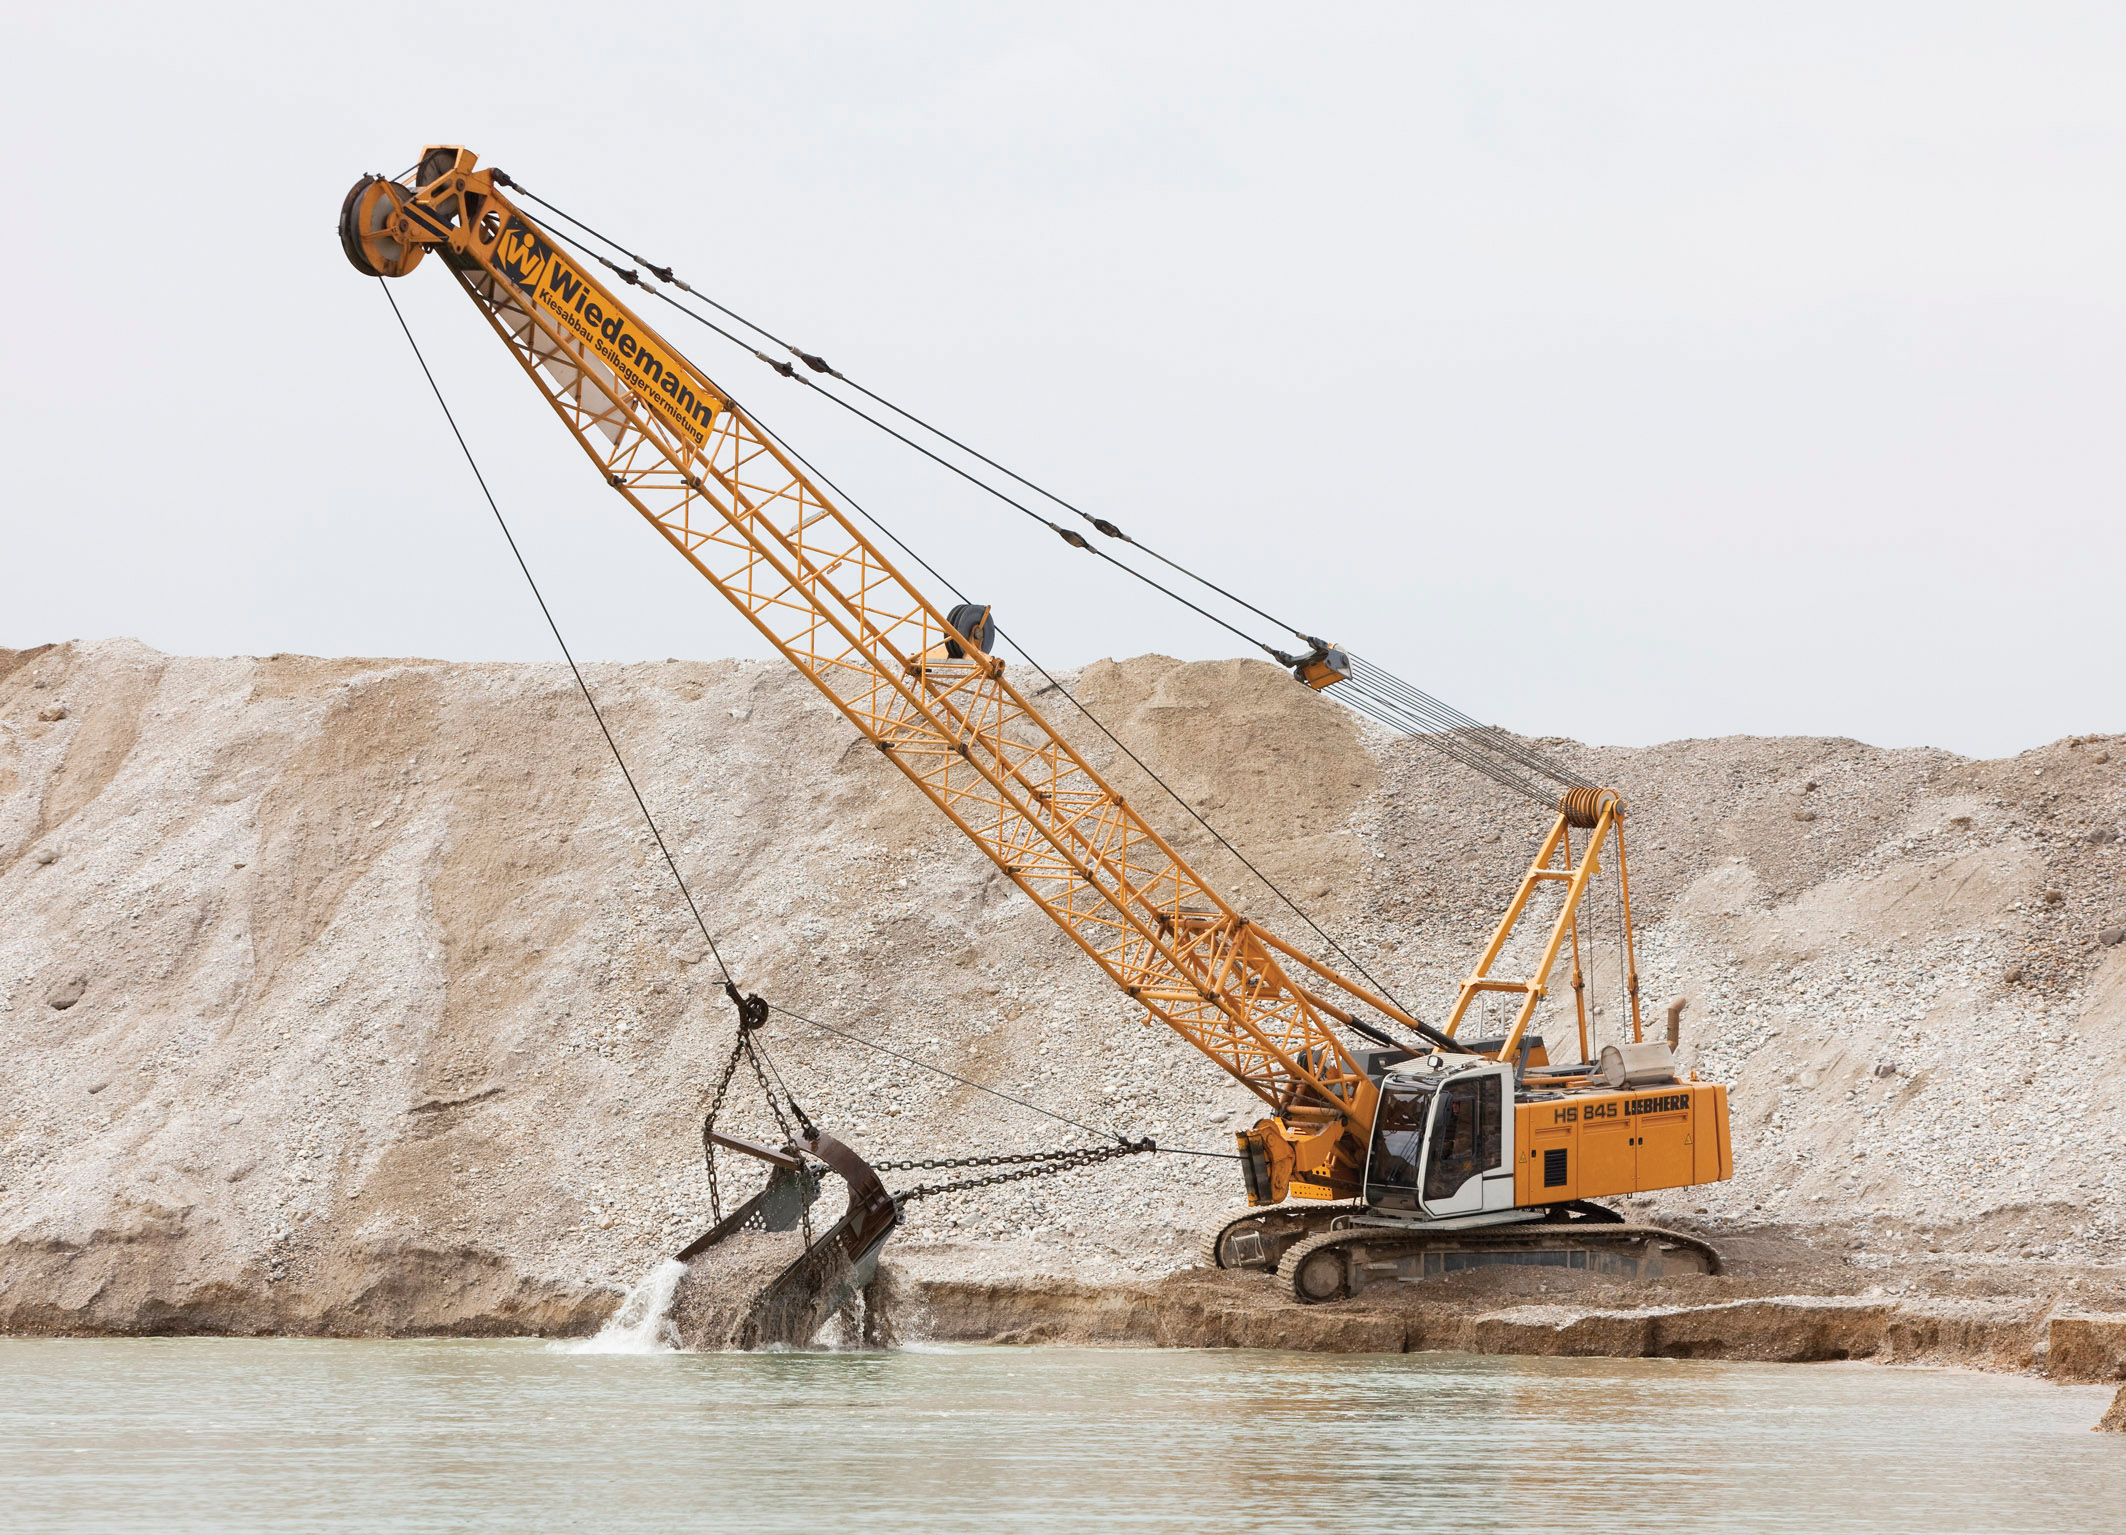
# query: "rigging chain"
1053, 1162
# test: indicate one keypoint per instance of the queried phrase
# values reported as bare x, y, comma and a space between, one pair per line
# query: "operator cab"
1442, 1141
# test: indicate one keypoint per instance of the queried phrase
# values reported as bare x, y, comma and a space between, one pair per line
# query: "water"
643, 1322
294, 1435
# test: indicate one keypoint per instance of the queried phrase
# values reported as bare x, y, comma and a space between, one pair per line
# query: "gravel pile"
351, 995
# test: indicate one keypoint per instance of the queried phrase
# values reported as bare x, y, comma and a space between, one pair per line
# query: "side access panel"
1606, 1158
1544, 1169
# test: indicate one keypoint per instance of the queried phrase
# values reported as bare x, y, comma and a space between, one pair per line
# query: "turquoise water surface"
215, 1434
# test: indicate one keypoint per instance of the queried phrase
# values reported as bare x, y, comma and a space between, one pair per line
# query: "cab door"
1466, 1151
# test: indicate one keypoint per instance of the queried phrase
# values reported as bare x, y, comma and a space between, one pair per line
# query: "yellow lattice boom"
744, 515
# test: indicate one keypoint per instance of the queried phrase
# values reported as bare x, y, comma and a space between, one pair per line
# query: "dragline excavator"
1373, 1160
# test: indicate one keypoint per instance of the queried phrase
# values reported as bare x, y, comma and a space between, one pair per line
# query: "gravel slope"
349, 994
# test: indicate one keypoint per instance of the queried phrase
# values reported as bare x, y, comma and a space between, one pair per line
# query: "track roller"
1318, 1268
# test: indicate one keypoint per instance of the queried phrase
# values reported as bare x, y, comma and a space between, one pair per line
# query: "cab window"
1398, 1137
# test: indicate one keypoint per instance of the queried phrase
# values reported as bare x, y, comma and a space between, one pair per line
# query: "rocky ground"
350, 995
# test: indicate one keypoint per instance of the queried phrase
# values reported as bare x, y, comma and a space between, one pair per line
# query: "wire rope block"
973, 623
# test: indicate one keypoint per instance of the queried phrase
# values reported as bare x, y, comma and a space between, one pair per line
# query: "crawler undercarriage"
1332, 1252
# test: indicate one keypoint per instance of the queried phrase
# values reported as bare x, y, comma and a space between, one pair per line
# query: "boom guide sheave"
1522, 1140
752, 523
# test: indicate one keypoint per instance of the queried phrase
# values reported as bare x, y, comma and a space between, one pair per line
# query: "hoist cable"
818, 364
1076, 541
1363, 701
596, 714
1446, 717
1369, 691
1484, 748
1101, 523
1387, 713
661, 273
651, 821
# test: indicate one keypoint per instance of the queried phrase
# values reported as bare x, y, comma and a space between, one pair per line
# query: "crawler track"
1334, 1265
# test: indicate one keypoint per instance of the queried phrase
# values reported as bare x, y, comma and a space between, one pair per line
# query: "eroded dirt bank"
347, 996
1745, 1315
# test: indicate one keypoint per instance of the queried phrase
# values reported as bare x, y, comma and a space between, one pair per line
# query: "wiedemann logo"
520, 254
655, 374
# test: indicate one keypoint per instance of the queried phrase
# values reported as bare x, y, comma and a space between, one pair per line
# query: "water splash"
643, 1322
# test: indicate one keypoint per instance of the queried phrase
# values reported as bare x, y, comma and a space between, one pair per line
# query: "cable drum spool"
1583, 807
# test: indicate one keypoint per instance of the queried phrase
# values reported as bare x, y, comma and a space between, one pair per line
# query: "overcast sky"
1627, 372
